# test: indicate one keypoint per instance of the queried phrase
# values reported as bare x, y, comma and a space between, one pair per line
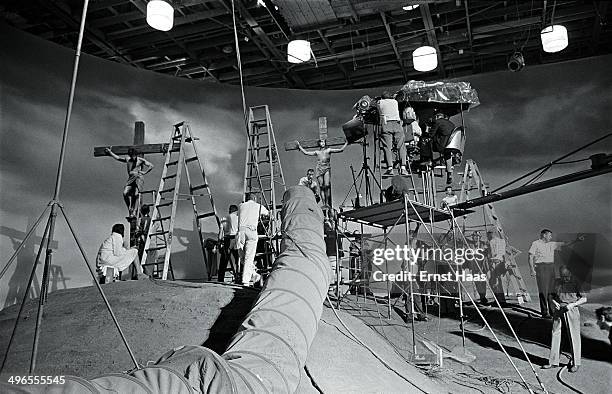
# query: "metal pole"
514, 334
42, 297
362, 263
100, 289
414, 347
458, 283
26, 293
562, 180
480, 313
387, 282
22, 244
58, 184
338, 270
552, 162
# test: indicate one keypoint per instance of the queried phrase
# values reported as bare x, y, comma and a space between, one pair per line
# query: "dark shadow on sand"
533, 329
230, 318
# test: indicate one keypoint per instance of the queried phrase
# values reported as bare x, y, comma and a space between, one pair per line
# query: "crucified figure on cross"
137, 168
322, 170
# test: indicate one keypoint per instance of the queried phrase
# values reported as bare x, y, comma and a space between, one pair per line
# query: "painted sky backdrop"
525, 120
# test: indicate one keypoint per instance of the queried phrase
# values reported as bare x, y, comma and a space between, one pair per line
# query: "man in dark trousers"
542, 264
440, 132
392, 133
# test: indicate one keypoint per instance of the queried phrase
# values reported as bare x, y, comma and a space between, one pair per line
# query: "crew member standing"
392, 132
542, 264
565, 300
227, 239
249, 213
440, 132
480, 267
497, 256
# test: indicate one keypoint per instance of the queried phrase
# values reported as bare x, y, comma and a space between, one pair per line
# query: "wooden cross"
329, 142
139, 145
141, 150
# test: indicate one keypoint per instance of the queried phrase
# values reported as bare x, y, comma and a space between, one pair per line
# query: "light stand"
364, 174
47, 238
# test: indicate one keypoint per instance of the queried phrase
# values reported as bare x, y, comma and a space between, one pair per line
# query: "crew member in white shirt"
113, 254
249, 213
227, 239
542, 264
449, 199
392, 132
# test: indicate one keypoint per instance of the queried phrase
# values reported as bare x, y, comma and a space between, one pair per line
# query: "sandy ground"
79, 338
491, 371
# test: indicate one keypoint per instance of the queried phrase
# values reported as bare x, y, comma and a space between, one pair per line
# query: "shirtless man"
137, 168
323, 167
311, 183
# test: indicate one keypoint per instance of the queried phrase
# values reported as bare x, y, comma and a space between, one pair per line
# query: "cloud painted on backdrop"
525, 120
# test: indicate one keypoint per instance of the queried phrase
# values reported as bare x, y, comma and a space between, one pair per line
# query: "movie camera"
366, 113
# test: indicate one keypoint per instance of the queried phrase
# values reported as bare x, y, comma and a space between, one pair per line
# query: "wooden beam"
601, 9
392, 41
103, 4
123, 149
261, 34
331, 51
469, 32
353, 11
264, 49
308, 144
141, 5
432, 39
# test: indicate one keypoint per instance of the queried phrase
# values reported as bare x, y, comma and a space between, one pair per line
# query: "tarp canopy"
448, 97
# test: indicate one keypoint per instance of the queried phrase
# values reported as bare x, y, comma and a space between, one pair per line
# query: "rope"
244, 108
246, 126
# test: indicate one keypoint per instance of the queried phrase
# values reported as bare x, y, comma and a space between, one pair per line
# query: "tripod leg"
25, 295
22, 244
42, 297
100, 289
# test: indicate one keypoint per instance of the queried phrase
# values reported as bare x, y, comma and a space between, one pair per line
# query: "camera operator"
439, 130
392, 132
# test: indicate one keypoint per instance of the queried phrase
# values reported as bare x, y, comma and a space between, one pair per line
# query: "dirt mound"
78, 336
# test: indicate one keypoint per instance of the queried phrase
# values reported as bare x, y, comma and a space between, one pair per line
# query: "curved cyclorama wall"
269, 351
525, 120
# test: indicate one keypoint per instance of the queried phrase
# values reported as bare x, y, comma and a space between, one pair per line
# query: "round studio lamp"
425, 58
160, 15
516, 62
554, 38
298, 51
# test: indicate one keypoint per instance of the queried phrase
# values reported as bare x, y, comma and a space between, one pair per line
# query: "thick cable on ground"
295, 287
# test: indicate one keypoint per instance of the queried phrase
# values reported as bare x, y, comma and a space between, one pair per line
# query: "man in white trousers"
249, 213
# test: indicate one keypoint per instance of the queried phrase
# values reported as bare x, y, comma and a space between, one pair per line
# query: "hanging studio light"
554, 38
298, 51
425, 58
516, 62
160, 15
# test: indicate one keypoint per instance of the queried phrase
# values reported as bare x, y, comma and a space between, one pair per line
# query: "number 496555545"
36, 379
